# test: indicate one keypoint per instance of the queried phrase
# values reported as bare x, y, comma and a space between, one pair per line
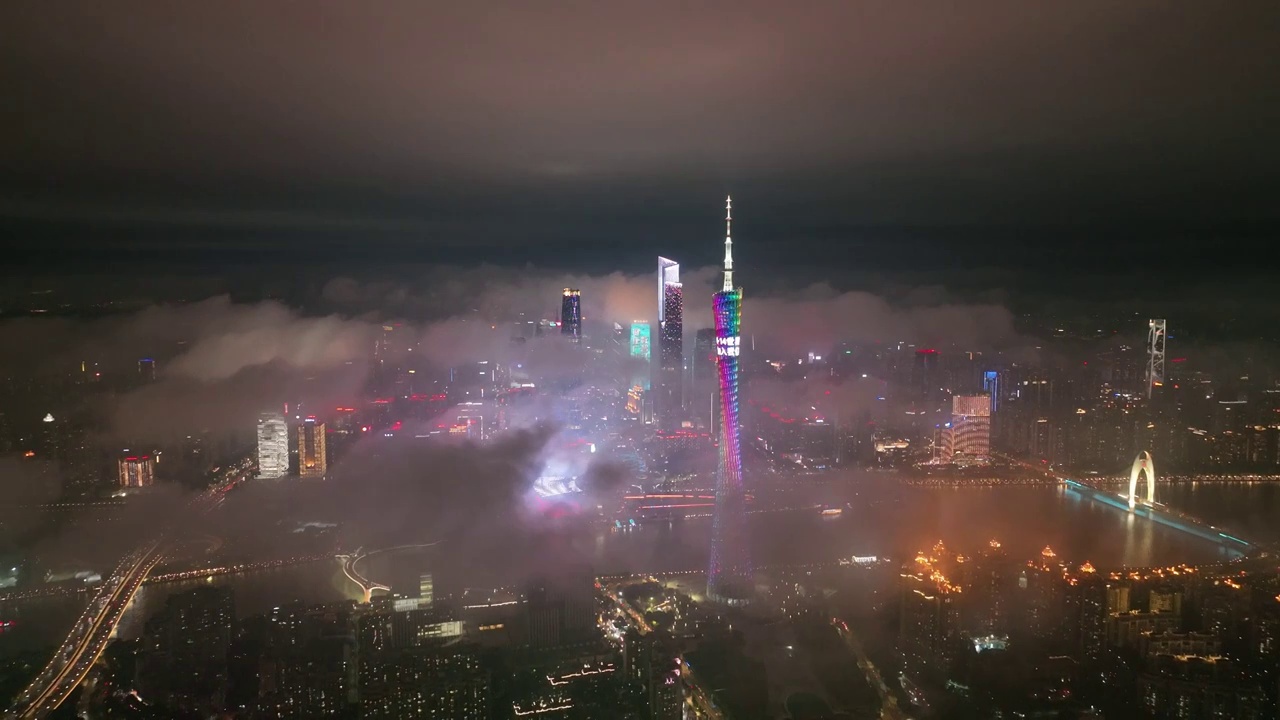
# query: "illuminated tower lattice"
729, 577
1155, 354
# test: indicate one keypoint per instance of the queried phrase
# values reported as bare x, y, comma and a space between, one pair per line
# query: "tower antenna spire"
728, 242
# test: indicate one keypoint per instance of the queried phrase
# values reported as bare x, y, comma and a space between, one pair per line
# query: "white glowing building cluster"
273, 446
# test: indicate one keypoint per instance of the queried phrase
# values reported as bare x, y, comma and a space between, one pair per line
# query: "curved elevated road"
92, 631
94, 628
353, 573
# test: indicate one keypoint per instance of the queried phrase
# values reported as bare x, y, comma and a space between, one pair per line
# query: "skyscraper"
971, 426
641, 367
312, 459
729, 577
571, 314
273, 446
137, 470
991, 386
669, 368
924, 372
1156, 329
640, 340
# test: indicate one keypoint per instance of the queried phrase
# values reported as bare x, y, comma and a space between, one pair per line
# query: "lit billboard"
640, 340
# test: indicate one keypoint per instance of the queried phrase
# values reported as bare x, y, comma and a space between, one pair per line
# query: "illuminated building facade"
970, 427
991, 386
1155, 354
470, 422
442, 681
307, 668
640, 340
635, 400
729, 578
137, 470
669, 368
641, 350
273, 446
571, 314
312, 458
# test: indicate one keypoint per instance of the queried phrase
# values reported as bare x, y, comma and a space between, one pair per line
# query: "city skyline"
433, 445
338, 379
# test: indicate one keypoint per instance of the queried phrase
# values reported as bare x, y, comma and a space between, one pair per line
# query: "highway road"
367, 586
351, 561
889, 709
88, 638
697, 699
94, 628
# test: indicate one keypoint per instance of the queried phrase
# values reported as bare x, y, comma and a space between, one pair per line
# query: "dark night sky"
1086, 135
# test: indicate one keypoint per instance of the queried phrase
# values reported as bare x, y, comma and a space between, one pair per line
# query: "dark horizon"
1086, 138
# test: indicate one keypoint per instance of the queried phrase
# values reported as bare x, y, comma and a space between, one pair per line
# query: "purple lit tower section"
729, 578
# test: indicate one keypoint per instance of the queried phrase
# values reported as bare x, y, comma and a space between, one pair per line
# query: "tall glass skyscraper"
273, 446
313, 461
729, 577
571, 314
669, 365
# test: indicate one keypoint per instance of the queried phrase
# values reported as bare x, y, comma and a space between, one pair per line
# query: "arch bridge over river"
1144, 468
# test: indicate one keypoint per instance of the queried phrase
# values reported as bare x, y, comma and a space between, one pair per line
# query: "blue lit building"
991, 386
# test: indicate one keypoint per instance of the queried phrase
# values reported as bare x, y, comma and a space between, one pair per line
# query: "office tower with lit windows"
970, 427
991, 386
273, 446
312, 459
668, 370
571, 314
729, 578
137, 470
306, 667
435, 679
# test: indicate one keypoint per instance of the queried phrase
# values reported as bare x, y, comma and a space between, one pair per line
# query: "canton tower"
729, 578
